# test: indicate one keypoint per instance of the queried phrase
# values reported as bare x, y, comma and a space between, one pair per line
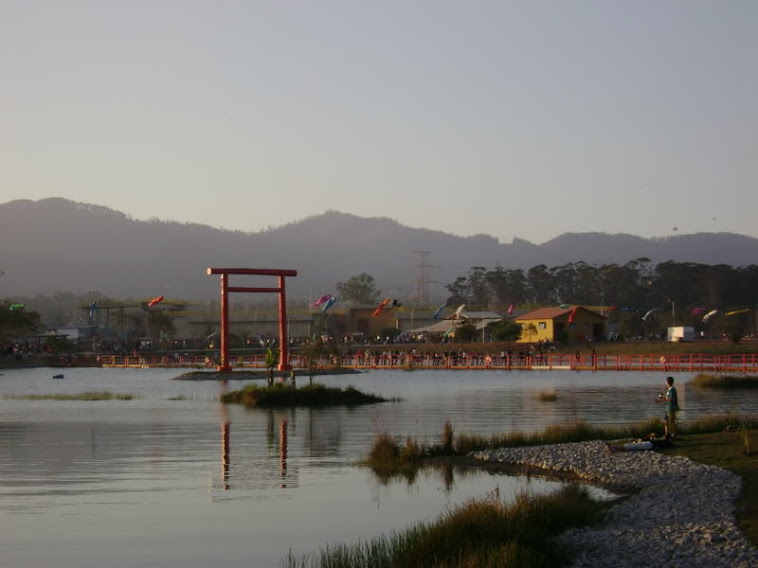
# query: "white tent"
478, 319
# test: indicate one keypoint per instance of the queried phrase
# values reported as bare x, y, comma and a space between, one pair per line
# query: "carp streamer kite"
323, 299
380, 307
438, 311
709, 315
328, 303
735, 312
650, 313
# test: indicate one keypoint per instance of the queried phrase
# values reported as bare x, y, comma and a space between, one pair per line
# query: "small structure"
681, 333
480, 320
73, 333
575, 324
224, 365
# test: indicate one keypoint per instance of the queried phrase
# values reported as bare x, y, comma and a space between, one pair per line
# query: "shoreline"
247, 375
674, 512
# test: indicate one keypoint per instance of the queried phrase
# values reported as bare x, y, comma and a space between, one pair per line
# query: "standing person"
672, 407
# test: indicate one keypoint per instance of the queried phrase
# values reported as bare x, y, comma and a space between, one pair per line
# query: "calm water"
176, 479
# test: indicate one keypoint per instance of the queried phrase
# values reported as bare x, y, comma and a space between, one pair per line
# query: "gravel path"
681, 513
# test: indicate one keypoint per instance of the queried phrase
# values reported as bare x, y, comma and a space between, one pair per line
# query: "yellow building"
564, 325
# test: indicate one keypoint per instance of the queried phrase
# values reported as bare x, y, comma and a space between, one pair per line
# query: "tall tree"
459, 291
517, 286
565, 283
541, 284
480, 290
16, 322
360, 289
497, 281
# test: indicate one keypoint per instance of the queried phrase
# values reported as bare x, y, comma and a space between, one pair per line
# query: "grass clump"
279, 395
389, 459
484, 533
547, 396
179, 397
577, 431
89, 396
709, 381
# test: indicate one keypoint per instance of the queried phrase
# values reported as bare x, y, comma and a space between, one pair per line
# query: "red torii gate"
225, 289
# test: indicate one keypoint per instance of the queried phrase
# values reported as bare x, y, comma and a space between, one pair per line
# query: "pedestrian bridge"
694, 363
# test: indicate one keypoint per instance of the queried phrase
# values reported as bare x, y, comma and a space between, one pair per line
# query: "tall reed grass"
390, 457
577, 431
709, 381
485, 533
717, 423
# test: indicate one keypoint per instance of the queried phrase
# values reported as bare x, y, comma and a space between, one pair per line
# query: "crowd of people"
19, 350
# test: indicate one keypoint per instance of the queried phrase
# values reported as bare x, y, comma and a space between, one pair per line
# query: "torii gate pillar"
225, 289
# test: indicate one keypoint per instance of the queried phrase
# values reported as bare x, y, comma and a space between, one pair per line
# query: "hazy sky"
513, 118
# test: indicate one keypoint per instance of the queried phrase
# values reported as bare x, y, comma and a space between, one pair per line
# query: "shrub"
706, 380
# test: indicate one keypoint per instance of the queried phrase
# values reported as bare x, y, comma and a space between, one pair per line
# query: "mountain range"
55, 244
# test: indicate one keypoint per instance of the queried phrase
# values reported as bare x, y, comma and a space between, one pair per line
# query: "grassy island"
725, 382
280, 395
88, 396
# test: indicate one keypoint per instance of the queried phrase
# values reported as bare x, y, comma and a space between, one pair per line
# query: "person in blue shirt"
672, 407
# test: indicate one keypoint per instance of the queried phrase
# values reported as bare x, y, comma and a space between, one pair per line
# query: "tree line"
680, 290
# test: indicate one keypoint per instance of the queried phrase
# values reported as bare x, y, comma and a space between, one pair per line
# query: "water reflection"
248, 471
251, 470
169, 478
225, 444
283, 450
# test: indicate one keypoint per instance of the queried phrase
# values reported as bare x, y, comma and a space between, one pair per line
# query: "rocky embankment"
678, 513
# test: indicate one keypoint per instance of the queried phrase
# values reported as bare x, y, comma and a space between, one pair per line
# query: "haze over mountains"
55, 245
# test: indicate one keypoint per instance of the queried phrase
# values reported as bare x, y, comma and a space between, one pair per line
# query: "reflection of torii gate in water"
225, 289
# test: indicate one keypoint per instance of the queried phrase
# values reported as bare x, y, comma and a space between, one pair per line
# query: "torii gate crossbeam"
225, 289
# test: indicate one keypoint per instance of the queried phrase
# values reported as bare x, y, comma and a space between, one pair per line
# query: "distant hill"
55, 245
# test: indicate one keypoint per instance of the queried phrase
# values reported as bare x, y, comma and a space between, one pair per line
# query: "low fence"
642, 362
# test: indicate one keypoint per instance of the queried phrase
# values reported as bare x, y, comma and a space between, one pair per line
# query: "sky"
523, 119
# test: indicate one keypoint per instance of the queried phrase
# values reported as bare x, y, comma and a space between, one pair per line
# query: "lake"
174, 478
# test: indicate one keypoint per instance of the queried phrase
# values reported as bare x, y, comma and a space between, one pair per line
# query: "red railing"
695, 362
